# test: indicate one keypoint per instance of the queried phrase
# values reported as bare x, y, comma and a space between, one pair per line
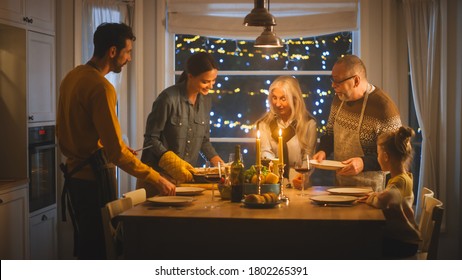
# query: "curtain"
424, 35
294, 18
95, 12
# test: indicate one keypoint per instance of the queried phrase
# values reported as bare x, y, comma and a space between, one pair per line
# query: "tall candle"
280, 155
258, 149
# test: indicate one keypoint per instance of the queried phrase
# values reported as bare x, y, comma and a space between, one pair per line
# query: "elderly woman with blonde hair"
287, 113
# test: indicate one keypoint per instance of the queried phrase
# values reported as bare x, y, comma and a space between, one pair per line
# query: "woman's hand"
320, 156
297, 181
217, 159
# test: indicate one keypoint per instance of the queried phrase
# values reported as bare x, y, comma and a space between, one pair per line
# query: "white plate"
349, 191
327, 164
171, 200
189, 190
333, 199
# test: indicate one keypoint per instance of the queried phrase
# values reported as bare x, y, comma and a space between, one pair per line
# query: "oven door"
42, 190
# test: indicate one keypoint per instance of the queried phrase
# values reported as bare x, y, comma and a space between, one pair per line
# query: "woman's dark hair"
397, 144
197, 64
111, 34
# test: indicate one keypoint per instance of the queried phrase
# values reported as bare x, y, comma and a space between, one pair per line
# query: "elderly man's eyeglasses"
339, 82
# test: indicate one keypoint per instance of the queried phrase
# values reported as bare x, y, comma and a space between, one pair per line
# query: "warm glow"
258, 134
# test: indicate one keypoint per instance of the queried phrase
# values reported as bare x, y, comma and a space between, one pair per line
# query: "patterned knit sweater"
381, 115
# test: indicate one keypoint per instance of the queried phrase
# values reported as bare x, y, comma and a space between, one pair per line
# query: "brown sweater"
381, 115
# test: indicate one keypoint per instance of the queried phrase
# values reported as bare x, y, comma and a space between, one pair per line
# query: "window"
240, 92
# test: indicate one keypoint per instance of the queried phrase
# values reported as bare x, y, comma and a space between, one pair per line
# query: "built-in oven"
42, 167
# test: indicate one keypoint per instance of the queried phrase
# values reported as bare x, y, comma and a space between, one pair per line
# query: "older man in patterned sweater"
359, 113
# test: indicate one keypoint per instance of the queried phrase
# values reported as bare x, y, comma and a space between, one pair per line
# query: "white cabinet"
41, 88
14, 220
44, 235
38, 15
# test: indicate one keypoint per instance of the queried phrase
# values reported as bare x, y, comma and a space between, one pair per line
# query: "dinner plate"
333, 199
171, 200
189, 190
260, 205
327, 164
349, 191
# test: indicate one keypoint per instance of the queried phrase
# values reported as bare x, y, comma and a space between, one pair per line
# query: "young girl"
401, 236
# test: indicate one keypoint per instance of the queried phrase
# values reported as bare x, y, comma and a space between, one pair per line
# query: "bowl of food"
265, 188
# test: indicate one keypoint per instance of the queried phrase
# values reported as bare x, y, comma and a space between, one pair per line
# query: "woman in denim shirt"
178, 127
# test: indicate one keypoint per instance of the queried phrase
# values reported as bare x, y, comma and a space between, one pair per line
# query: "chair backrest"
138, 196
430, 226
425, 192
110, 227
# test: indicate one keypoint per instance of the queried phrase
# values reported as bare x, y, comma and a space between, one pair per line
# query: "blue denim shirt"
175, 124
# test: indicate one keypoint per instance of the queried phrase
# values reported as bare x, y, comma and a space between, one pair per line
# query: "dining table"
294, 229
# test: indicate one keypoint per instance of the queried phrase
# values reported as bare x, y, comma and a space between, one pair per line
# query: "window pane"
316, 53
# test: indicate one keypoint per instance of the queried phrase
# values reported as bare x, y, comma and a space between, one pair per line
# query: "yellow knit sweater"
86, 121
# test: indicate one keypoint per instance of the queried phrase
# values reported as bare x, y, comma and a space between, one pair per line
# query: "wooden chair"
425, 192
430, 226
112, 229
138, 196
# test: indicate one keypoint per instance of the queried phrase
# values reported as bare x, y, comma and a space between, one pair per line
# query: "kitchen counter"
12, 183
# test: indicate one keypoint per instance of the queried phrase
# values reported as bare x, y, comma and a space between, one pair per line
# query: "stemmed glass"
213, 178
303, 166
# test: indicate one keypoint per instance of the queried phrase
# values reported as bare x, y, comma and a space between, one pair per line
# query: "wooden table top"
298, 208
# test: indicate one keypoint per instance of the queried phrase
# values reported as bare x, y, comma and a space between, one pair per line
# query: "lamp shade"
259, 16
268, 39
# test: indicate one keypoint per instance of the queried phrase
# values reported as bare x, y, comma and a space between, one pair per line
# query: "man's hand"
354, 167
165, 187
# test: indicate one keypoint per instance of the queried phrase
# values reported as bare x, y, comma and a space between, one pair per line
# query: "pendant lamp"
268, 39
259, 16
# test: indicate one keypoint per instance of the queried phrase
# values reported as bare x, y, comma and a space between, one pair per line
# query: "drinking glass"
213, 178
303, 166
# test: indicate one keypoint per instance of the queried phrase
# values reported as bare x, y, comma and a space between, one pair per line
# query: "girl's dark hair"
397, 144
111, 34
197, 64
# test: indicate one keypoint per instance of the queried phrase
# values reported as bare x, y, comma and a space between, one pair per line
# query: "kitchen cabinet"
14, 219
37, 15
43, 231
41, 77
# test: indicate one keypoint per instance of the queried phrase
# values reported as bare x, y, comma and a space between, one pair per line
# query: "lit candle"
280, 155
258, 150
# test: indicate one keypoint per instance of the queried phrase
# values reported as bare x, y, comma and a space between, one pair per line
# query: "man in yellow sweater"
88, 131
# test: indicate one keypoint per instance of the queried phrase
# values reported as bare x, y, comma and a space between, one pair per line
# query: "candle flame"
258, 134
280, 132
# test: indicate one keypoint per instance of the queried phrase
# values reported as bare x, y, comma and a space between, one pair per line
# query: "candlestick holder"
282, 196
258, 167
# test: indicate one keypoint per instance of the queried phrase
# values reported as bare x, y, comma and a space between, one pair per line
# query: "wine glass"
303, 166
213, 178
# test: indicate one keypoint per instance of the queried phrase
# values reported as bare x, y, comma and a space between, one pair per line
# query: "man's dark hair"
111, 34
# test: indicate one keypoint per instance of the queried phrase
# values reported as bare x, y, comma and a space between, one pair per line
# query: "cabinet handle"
26, 19
31, 20
31, 117
44, 218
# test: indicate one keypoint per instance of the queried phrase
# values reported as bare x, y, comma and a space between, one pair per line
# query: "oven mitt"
177, 168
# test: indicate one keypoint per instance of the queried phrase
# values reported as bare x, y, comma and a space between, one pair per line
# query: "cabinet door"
44, 236
14, 214
41, 77
41, 15
12, 10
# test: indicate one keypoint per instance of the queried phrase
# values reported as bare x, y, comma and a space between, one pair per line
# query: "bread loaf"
269, 197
